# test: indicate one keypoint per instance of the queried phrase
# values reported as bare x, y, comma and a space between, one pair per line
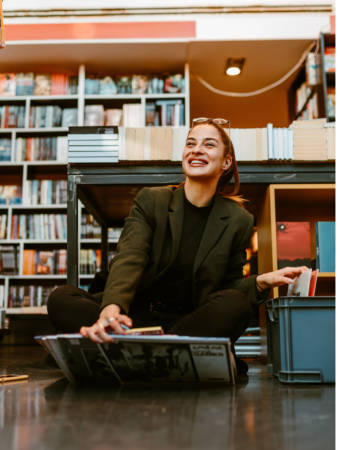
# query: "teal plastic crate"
301, 339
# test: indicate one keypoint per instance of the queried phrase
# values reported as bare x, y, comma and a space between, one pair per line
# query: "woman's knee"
60, 295
233, 298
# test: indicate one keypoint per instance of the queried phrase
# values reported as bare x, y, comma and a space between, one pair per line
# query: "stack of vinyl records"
93, 144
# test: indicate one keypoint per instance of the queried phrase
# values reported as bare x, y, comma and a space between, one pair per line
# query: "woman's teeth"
197, 162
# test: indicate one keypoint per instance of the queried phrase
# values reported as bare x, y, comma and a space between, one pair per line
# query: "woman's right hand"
110, 318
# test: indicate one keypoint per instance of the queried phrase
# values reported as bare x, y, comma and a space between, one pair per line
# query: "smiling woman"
180, 256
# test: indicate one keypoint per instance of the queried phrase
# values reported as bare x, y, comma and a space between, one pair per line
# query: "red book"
312, 284
293, 244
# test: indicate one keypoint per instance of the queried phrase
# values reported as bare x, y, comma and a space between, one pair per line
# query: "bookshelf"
294, 202
33, 158
312, 94
327, 48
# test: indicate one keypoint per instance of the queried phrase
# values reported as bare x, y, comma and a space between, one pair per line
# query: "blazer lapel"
217, 222
172, 210
176, 213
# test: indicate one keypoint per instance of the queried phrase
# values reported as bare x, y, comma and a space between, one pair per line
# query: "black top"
172, 292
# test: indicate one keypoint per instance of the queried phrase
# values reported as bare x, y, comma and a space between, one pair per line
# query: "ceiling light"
234, 66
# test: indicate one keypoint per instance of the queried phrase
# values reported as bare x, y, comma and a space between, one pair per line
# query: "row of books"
90, 229
42, 148
295, 245
12, 116
39, 226
157, 113
46, 192
44, 262
10, 194
50, 116
5, 149
165, 113
28, 295
9, 259
12, 84
135, 84
131, 114
303, 140
90, 260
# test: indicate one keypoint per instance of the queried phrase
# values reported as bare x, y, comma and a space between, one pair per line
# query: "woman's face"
203, 154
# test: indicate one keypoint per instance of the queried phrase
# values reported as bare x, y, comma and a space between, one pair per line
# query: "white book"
75, 137
122, 154
270, 140
300, 286
290, 144
62, 148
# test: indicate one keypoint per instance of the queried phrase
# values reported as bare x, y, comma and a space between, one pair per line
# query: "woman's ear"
227, 163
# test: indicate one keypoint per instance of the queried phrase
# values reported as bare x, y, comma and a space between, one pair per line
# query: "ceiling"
266, 62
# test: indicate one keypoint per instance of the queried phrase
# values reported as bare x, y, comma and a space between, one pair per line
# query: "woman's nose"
197, 149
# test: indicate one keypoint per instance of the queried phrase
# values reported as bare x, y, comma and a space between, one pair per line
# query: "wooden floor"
46, 413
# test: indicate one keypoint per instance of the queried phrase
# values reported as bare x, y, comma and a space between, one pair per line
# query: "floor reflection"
260, 413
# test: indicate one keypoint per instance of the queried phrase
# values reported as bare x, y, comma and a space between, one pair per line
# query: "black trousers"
226, 313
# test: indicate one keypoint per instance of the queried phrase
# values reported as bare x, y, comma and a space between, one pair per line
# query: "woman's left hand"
279, 277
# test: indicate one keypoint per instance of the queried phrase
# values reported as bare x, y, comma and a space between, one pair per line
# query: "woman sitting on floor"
180, 256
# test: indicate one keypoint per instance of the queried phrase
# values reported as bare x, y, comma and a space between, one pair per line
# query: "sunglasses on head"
218, 121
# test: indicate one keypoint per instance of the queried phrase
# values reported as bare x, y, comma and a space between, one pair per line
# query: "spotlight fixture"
234, 66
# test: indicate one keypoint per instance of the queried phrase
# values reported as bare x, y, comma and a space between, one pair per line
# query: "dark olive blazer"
153, 231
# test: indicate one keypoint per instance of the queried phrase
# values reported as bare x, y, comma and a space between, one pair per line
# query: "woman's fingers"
98, 331
125, 320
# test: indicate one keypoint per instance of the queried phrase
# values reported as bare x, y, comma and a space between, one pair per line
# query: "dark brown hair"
225, 187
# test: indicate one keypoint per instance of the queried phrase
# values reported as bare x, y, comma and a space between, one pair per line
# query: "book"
24, 83
142, 359
107, 86
94, 115
5, 149
139, 84
10, 194
304, 285
7, 84
9, 259
42, 84
293, 240
313, 69
113, 117
69, 117
325, 246
331, 99
329, 59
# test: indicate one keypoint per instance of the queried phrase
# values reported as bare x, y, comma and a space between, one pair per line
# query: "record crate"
301, 339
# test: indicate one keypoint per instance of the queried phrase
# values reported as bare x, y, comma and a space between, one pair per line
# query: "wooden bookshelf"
294, 202
328, 78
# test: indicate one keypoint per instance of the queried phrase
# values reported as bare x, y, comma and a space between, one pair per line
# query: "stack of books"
152, 143
93, 144
310, 140
250, 144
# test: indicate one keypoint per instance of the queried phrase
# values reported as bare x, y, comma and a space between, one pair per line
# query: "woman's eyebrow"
210, 139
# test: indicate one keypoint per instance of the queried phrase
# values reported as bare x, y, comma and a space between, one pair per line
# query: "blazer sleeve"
234, 278
133, 253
